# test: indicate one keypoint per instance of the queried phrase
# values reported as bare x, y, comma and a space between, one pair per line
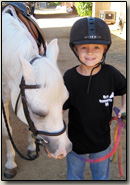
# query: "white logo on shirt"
107, 99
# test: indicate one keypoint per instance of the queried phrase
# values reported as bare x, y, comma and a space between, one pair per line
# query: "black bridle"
35, 132
39, 139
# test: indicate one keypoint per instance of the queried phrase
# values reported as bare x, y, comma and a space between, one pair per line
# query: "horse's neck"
19, 40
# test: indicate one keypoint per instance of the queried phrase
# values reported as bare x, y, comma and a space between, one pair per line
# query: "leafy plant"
54, 3
84, 8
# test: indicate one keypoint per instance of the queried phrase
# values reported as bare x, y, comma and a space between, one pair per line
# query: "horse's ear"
53, 50
28, 71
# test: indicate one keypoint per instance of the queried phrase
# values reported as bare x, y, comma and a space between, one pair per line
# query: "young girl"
92, 86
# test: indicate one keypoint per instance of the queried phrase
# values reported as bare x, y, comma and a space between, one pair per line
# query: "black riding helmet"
90, 30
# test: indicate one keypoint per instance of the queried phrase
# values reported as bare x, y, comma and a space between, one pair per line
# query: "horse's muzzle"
59, 154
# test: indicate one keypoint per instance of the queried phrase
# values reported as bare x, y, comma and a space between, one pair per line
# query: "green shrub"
54, 3
84, 8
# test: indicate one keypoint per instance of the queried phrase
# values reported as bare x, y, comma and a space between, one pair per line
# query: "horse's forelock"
50, 79
49, 72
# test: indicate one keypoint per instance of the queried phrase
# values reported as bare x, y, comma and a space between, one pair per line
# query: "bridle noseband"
32, 128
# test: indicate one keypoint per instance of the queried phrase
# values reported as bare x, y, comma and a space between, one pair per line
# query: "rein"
120, 125
11, 139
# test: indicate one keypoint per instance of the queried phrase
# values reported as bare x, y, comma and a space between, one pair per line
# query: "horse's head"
45, 103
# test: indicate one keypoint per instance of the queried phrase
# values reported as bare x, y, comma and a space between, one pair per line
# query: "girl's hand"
122, 112
123, 108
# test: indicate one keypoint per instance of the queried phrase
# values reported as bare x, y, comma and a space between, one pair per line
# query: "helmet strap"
97, 65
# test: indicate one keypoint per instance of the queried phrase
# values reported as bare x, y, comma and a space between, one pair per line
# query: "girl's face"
90, 54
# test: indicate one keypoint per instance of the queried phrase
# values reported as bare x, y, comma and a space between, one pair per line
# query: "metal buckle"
41, 139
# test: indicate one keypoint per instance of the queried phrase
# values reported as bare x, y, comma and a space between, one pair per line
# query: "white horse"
44, 103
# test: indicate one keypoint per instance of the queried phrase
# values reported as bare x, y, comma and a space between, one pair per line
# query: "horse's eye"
39, 114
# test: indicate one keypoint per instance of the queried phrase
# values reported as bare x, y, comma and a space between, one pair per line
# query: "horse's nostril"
61, 156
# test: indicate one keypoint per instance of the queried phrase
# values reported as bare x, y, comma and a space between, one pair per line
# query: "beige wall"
100, 6
120, 9
123, 10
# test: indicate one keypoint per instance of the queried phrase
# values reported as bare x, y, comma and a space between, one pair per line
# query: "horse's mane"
18, 40
15, 39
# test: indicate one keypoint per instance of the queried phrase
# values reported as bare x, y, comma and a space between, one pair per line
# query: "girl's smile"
90, 59
90, 55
